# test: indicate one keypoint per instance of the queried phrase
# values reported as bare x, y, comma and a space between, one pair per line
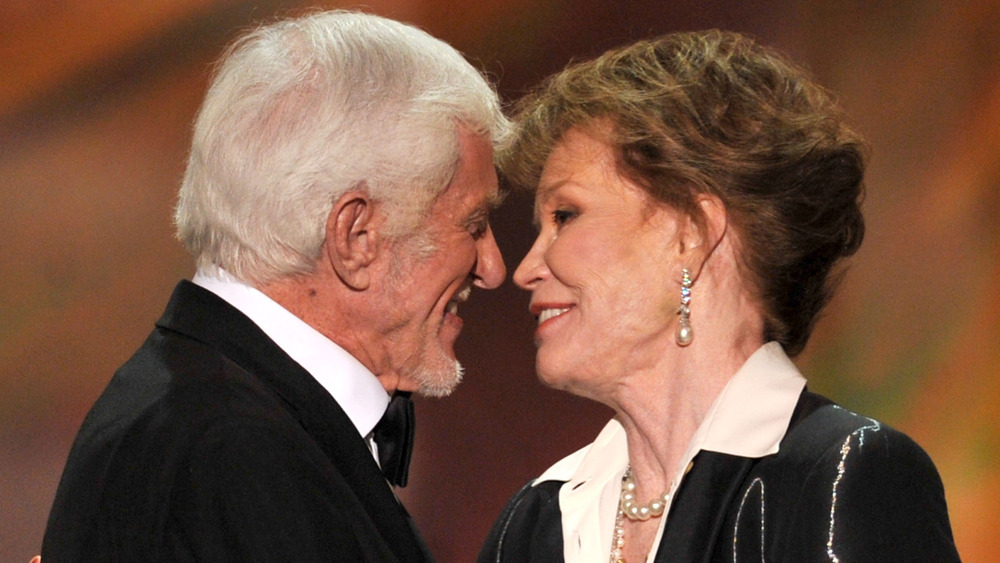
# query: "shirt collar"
349, 382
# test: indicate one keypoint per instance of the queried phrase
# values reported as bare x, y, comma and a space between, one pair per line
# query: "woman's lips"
551, 312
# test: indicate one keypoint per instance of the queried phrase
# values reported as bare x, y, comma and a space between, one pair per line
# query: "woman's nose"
532, 266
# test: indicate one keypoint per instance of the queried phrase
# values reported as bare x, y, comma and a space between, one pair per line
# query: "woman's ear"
352, 238
701, 236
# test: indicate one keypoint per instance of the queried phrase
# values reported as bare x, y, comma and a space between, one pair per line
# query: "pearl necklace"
641, 512
627, 508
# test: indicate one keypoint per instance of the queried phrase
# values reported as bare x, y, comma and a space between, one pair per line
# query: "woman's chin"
560, 377
551, 367
551, 373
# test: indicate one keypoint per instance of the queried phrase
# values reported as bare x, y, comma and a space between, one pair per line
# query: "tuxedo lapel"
200, 314
355, 462
701, 506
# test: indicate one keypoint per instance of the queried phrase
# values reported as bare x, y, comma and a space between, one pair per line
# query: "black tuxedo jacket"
211, 444
841, 488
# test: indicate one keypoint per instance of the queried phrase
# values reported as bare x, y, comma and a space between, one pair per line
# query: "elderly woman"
693, 196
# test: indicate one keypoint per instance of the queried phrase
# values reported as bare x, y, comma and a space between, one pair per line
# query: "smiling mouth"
460, 297
547, 314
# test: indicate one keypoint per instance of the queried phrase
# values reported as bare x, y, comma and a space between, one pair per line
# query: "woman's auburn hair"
716, 113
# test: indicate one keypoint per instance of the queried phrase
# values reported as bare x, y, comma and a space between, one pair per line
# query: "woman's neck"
661, 406
660, 415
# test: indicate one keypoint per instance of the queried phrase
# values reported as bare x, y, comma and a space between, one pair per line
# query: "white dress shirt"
748, 418
349, 382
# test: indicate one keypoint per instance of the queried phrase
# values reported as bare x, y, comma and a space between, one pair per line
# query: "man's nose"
490, 269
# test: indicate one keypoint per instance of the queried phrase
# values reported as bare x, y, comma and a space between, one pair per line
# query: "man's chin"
439, 380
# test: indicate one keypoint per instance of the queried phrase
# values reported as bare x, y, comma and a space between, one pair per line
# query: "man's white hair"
303, 110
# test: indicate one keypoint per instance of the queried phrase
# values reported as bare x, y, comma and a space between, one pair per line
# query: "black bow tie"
394, 436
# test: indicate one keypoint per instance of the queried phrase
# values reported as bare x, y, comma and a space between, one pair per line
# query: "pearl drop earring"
684, 331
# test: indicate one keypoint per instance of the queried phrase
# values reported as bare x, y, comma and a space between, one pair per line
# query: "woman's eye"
562, 216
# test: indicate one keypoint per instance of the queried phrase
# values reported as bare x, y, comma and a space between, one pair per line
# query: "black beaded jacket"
841, 488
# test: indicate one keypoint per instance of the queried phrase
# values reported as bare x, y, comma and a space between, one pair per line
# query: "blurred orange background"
96, 102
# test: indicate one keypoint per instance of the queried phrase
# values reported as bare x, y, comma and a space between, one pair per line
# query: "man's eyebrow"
482, 211
479, 213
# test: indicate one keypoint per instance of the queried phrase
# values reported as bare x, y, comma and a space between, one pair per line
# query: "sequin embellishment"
739, 513
845, 449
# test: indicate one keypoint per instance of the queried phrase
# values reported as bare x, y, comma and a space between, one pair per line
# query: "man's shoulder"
174, 395
172, 375
175, 416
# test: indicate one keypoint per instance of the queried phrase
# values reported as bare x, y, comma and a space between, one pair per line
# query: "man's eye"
562, 216
478, 229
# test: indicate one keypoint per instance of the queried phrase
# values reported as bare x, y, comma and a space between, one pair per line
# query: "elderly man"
337, 203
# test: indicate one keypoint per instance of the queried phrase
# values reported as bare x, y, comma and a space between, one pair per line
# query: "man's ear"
352, 238
702, 236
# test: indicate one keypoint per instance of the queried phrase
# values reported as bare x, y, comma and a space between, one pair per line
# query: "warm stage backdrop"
96, 101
